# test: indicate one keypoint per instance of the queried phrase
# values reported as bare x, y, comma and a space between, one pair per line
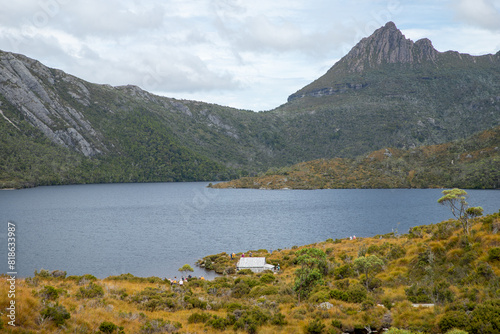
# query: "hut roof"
252, 262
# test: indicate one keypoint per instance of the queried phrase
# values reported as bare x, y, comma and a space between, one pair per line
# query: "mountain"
470, 163
386, 92
389, 91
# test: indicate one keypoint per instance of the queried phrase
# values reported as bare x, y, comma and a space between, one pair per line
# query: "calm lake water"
153, 229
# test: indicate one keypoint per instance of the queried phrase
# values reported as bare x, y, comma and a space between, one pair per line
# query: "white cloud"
247, 54
479, 13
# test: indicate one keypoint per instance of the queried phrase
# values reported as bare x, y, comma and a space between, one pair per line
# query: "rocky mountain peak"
388, 45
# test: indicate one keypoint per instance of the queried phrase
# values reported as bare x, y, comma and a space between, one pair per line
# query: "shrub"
50, 293
57, 313
240, 289
339, 295
319, 297
387, 302
336, 323
217, 323
267, 278
356, 293
396, 252
263, 291
196, 318
195, 302
160, 326
343, 271
107, 327
231, 307
43, 273
245, 272
278, 319
315, 327
90, 291
453, 319
417, 294
251, 320
485, 318
494, 254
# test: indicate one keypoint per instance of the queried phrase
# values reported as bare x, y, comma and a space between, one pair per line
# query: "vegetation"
470, 163
347, 113
455, 199
430, 280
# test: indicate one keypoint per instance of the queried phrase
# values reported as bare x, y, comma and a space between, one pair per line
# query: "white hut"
255, 264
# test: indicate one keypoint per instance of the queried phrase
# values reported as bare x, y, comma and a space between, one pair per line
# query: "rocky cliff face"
388, 45
26, 85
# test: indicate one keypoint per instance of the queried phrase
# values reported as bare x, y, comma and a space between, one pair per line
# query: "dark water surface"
152, 229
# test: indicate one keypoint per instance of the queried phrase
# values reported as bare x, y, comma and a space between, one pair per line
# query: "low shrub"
494, 254
50, 293
417, 294
315, 327
56, 313
195, 302
263, 291
453, 319
336, 323
339, 295
267, 278
319, 297
356, 293
196, 318
245, 272
278, 319
160, 326
217, 323
92, 290
251, 319
107, 327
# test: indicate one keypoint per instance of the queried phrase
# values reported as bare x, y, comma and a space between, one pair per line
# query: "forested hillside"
470, 163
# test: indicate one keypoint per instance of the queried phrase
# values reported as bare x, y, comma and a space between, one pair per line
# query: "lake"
152, 229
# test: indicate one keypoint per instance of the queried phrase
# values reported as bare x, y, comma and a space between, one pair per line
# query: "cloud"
249, 54
479, 13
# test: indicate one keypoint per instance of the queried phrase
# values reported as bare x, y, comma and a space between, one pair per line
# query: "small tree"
368, 265
455, 199
313, 267
185, 268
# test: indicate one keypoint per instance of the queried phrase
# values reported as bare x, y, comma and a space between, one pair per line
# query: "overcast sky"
246, 54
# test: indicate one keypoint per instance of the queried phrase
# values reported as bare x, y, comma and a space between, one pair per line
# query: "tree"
368, 265
312, 268
185, 268
455, 199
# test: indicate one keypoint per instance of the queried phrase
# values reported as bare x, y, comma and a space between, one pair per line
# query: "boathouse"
255, 264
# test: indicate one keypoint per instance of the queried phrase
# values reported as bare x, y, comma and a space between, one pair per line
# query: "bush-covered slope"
430, 280
470, 163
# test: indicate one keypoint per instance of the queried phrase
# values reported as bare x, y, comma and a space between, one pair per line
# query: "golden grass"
116, 305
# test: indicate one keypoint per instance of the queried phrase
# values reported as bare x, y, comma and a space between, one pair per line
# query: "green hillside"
470, 163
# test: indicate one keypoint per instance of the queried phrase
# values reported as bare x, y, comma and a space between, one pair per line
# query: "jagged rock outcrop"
26, 85
387, 45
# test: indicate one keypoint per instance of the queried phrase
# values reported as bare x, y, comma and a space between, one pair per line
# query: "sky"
244, 54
